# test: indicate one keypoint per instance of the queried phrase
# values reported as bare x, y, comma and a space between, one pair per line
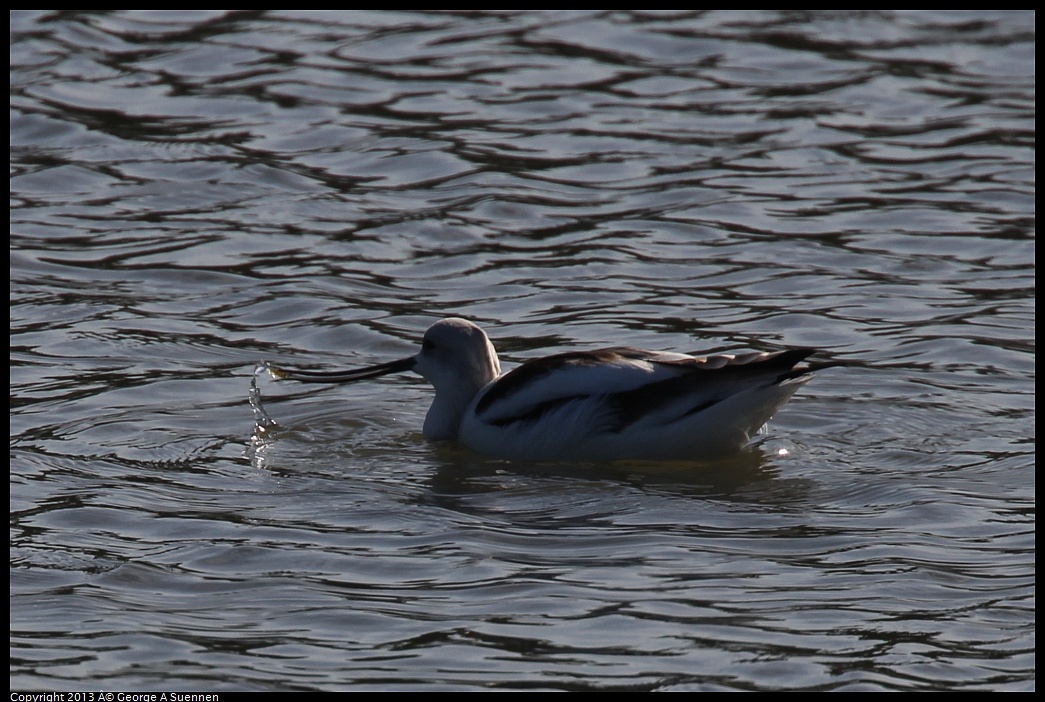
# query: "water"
192, 192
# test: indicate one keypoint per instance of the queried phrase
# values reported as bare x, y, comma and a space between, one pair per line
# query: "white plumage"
610, 404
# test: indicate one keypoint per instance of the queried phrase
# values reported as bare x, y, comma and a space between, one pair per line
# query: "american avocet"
616, 403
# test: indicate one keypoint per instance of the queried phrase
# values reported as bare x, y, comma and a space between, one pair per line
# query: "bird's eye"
427, 345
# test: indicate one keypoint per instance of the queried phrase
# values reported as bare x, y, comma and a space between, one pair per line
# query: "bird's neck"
444, 416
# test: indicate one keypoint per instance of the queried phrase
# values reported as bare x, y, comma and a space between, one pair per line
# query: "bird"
611, 404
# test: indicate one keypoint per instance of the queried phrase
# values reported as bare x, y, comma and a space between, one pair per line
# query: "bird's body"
610, 404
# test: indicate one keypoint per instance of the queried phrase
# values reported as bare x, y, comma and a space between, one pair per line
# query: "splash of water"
263, 423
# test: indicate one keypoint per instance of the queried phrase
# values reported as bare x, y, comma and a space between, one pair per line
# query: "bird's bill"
347, 376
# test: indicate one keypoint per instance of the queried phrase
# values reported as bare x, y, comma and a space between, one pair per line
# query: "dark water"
194, 191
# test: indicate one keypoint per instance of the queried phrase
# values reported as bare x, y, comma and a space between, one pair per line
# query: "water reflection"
194, 190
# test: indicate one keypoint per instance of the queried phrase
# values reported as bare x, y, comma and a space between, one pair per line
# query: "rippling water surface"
192, 192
